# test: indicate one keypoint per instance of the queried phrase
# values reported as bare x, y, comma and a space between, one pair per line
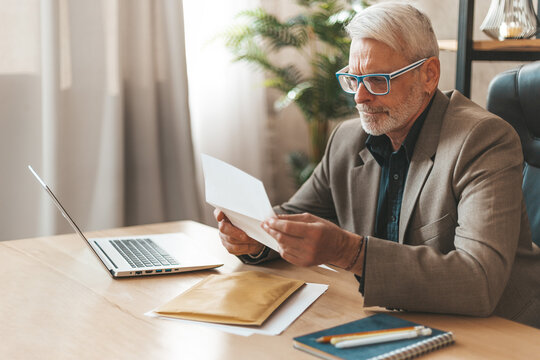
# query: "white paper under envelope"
280, 320
240, 196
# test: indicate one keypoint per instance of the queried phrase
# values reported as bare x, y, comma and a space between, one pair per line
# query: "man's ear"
430, 74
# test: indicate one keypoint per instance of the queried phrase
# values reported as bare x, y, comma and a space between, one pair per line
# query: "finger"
236, 247
232, 246
304, 217
220, 215
293, 258
217, 214
288, 244
289, 227
296, 250
229, 229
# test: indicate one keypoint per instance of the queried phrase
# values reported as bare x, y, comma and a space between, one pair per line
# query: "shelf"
447, 45
521, 45
532, 45
468, 50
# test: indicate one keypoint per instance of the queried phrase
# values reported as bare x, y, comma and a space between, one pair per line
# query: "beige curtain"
94, 97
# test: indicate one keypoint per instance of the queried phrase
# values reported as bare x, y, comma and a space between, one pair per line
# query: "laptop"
141, 255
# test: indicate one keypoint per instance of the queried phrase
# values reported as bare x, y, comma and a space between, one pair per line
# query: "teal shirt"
394, 168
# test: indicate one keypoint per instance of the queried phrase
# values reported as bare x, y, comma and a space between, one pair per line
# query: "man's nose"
363, 95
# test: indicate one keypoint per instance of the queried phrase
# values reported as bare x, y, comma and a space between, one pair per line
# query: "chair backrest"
514, 95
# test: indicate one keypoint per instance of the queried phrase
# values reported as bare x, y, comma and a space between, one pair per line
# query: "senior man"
421, 197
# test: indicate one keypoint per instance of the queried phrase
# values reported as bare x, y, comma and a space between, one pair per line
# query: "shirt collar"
381, 148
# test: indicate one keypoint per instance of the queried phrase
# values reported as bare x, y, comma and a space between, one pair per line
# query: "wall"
287, 129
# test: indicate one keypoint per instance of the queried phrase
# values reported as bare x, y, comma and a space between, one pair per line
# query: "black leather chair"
514, 95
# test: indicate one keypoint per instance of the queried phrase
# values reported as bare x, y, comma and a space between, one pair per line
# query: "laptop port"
138, 272
148, 271
158, 271
168, 270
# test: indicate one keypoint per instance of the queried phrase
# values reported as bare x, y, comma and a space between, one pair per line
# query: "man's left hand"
307, 240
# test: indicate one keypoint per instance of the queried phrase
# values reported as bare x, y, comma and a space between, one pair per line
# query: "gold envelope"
241, 298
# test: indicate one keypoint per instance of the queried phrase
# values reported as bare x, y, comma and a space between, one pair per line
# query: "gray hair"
400, 26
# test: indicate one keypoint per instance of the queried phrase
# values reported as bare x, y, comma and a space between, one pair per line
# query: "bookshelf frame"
492, 50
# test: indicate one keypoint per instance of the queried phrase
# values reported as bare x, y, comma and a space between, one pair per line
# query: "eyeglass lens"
374, 84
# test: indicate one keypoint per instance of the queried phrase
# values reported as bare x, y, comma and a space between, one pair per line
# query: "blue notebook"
401, 349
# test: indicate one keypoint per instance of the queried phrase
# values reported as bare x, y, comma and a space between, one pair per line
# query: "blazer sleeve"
471, 277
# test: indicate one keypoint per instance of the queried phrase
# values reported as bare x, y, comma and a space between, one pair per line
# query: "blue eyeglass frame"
388, 77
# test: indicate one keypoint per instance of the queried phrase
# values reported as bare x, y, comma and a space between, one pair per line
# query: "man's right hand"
236, 241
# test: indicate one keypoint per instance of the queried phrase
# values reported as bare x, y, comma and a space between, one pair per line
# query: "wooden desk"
58, 302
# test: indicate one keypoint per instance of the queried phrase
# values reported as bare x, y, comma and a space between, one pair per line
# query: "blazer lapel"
365, 180
422, 160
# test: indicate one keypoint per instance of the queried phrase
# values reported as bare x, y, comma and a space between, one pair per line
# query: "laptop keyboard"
140, 253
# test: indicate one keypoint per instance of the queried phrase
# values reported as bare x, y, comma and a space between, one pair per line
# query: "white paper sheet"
276, 323
240, 196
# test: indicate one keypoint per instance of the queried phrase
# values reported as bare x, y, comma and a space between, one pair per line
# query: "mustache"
370, 109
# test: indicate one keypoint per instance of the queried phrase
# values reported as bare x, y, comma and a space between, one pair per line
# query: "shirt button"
396, 176
393, 218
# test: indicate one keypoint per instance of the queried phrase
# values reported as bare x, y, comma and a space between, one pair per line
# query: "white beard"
385, 119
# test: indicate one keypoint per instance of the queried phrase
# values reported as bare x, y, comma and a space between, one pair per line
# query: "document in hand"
240, 196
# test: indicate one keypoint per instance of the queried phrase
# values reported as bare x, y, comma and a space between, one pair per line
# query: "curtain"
94, 97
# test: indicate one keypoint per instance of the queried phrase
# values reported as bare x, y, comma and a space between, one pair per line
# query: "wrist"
348, 251
357, 254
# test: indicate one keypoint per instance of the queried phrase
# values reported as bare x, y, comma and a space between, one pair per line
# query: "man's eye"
377, 80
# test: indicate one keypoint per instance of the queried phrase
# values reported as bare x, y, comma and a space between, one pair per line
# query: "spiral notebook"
401, 349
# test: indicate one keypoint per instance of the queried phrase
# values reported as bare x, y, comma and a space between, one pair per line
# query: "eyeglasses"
376, 84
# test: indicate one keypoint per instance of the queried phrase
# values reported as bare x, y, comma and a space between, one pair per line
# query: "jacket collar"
422, 159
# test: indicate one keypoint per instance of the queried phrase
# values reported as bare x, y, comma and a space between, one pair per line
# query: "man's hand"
308, 240
235, 240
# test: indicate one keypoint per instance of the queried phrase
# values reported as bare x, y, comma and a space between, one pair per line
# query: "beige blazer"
464, 238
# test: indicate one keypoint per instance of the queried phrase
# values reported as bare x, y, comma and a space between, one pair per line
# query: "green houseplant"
317, 34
